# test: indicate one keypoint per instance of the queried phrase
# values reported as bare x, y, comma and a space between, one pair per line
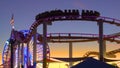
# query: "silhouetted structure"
31, 40
92, 63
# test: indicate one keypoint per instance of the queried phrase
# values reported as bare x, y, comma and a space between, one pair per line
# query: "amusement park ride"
27, 48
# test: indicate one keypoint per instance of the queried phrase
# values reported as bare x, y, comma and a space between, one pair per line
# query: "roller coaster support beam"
34, 48
12, 41
22, 55
28, 63
70, 53
101, 46
12, 54
19, 55
104, 46
44, 44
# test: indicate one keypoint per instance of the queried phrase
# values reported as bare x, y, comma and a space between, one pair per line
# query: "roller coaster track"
77, 37
70, 37
50, 19
114, 51
110, 54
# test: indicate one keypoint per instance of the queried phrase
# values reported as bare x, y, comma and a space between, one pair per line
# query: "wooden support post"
45, 45
34, 48
70, 53
101, 46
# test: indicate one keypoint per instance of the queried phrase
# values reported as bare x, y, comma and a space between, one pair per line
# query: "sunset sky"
25, 11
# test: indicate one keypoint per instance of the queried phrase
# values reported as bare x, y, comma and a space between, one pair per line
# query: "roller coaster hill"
69, 13
27, 48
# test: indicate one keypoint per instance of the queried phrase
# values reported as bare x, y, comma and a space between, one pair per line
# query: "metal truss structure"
19, 40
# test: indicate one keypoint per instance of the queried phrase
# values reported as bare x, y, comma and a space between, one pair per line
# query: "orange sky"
0, 59
79, 49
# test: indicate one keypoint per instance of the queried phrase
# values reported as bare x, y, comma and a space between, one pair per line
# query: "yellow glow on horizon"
79, 49
58, 65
